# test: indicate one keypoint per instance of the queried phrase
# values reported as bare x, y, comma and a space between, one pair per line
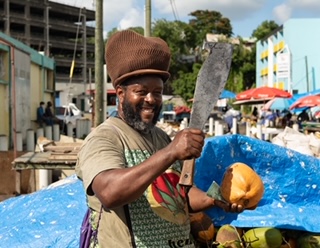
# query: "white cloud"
282, 13
132, 18
310, 5
88, 4
131, 12
235, 10
245, 15
305, 8
114, 12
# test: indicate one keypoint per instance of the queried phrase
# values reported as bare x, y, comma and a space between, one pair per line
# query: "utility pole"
7, 17
99, 108
147, 29
84, 51
307, 73
47, 29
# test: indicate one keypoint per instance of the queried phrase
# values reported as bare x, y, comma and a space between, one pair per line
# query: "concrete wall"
24, 78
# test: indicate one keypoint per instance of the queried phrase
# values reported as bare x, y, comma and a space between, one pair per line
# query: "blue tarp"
291, 179
47, 218
52, 217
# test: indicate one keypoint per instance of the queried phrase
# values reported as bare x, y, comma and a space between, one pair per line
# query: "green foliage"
184, 86
185, 41
180, 39
243, 67
206, 21
111, 32
139, 30
265, 28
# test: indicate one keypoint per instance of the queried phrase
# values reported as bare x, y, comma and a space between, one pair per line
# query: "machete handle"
186, 178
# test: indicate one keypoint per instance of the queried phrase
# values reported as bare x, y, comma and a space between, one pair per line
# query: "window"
4, 67
49, 80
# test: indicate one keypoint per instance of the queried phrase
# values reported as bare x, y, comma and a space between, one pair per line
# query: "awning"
252, 101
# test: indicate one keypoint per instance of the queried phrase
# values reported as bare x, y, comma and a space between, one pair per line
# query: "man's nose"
150, 98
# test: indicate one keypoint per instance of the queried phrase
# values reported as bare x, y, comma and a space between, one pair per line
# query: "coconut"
228, 237
202, 228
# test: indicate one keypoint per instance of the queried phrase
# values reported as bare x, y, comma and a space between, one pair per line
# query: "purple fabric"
86, 231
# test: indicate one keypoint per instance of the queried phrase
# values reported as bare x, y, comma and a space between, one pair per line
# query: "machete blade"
211, 80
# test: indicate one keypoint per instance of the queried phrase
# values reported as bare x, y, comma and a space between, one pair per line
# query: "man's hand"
227, 207
187, 144
199, 201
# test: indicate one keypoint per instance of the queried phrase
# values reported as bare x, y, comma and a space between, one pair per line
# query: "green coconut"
309, 241
263, 237
228, 237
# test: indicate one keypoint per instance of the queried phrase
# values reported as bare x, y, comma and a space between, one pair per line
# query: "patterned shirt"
159, 218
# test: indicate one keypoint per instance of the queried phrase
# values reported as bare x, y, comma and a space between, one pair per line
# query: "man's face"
141, 102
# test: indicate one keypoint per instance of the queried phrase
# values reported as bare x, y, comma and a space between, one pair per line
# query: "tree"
139, 30
206, 21
185, 85
265, 28
185, 41
243, 67
181, 40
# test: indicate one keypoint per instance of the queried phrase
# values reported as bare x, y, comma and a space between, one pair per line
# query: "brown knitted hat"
129, 54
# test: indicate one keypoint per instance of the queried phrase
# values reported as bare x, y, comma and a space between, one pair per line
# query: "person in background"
255, 114
130, 168
51, 118
302, 117
48, 111
40, 114
286, 118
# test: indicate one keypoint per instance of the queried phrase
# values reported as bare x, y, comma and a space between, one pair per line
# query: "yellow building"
26, 78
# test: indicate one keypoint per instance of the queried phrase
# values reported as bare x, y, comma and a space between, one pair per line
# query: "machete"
211, 80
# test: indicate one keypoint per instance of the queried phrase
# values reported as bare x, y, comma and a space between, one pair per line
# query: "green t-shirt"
159, 218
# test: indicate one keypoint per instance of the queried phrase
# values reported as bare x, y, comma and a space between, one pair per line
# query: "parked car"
68, 113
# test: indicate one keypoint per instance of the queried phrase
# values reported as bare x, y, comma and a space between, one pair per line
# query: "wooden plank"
68, 143
33, 157
63, 157
61, 149
64, 153
41, 160
65, 165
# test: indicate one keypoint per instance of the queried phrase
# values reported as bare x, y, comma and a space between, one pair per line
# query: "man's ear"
120, 93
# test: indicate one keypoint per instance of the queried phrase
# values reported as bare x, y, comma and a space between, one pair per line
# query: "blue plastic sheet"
50, 217
291, 179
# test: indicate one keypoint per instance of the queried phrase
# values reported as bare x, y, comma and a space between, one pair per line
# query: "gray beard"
133, 118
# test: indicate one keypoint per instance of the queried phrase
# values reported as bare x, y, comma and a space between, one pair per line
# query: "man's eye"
157, 94
142, 92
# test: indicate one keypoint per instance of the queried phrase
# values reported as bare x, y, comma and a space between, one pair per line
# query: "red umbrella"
306, 101
263, 92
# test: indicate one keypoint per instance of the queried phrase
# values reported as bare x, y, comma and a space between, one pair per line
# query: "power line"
174, 10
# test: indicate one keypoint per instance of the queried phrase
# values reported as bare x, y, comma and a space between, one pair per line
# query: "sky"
245, 15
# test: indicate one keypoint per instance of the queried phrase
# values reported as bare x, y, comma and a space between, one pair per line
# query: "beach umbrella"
306, 101
278, 104
262, 93
224, 94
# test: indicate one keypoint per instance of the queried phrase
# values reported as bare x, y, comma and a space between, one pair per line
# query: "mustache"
150, 106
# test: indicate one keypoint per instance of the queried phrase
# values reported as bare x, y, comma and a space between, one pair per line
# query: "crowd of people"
282, 118
46, 117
